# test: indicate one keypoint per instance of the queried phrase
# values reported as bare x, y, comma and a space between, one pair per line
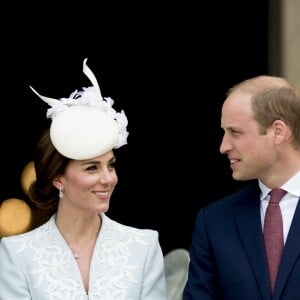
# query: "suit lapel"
290, 253
248, 221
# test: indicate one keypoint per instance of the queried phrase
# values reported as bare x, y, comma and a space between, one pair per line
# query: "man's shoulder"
228, 202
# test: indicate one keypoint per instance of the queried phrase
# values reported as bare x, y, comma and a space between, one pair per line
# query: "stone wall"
284, 43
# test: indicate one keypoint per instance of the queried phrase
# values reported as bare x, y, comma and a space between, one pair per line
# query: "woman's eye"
112, 165
91, 168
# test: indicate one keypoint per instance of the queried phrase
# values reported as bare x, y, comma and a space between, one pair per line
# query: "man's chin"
240, 177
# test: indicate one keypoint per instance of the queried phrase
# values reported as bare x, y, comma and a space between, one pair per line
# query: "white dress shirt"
287, 204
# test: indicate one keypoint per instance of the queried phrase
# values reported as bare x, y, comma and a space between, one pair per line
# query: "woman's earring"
60, 194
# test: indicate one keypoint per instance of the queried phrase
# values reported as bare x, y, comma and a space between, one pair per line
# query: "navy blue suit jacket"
227, 253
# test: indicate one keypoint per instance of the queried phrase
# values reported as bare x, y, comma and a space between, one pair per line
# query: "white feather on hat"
85, 125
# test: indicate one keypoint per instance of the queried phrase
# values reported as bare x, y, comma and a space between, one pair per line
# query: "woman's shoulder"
119, 239
27, 237
123, 229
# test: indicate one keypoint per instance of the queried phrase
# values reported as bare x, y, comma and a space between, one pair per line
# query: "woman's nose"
105, 176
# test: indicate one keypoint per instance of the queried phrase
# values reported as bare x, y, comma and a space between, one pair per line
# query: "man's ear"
281, 131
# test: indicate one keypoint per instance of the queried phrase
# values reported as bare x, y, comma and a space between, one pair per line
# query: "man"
228, 257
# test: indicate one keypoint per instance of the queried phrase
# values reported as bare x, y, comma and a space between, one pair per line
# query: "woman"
80, 253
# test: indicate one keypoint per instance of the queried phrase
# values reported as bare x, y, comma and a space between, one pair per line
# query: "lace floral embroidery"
112, 270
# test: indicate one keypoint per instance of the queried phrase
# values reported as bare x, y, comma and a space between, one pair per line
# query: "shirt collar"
292, 186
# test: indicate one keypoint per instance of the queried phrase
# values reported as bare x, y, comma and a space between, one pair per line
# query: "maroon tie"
273, 234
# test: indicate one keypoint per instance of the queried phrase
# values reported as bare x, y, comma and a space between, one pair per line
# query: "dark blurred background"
167, 66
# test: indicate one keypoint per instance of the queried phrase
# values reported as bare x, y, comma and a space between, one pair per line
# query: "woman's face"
89, 184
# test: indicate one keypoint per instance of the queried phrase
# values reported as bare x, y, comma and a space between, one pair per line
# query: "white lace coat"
127, 264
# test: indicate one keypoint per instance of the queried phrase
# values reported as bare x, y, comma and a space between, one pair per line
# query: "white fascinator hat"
85, 125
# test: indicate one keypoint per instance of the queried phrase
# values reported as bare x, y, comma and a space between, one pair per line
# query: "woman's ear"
57, 183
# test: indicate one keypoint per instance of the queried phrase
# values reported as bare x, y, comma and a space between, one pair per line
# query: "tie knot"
276, 195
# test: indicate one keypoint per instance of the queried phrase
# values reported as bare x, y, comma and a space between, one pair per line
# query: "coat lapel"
248, 220
290, 253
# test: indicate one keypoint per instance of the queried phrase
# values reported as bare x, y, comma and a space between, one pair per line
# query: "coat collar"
247, 214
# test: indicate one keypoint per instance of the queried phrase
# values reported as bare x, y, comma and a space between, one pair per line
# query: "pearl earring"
61, 194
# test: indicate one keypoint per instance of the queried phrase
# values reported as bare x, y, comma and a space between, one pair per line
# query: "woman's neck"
78, 229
